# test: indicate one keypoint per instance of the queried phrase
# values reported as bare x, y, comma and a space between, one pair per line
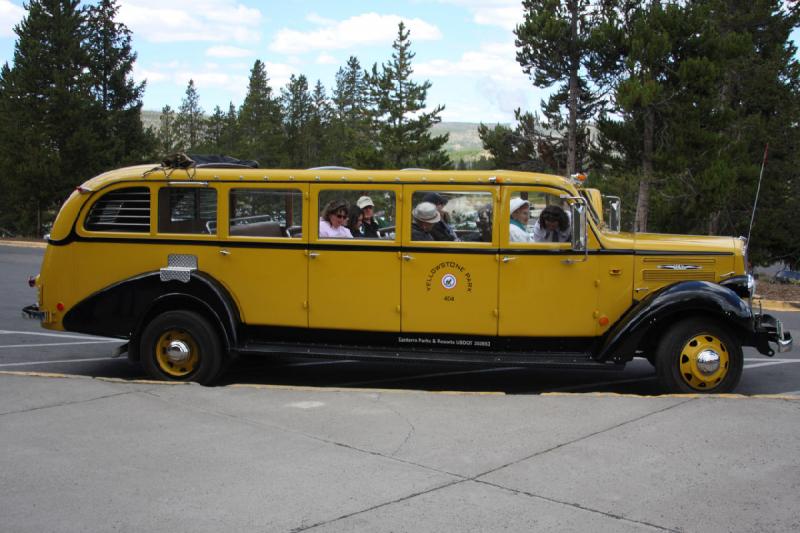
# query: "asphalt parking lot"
314, 445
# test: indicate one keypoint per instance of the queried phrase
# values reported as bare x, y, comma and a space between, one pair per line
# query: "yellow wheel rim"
704, 362
177, 353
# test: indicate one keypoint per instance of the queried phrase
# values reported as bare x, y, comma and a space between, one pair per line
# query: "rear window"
187, 210
121, 210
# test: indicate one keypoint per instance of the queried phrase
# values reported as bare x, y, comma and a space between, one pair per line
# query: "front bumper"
770, 329
33, 312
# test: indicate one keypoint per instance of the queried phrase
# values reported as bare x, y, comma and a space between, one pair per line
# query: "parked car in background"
788, 276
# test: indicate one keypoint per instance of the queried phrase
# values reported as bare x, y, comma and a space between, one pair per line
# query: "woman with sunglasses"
332, 221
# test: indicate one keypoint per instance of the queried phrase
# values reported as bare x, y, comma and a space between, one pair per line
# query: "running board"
575, 360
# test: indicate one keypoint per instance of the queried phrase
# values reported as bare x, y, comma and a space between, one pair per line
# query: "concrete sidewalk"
82, 454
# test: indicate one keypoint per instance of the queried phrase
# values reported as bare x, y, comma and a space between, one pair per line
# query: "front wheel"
181, 346
699, 356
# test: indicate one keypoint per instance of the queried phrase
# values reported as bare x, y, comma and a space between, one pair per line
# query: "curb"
778, 305
23, 244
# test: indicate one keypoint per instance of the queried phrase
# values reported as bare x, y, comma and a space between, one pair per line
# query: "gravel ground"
778, 291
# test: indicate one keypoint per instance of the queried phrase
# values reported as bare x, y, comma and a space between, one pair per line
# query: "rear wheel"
181, 346
699, 356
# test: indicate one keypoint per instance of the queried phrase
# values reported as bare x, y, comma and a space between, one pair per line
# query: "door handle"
408, 258
507, 259
313, 255
224, 252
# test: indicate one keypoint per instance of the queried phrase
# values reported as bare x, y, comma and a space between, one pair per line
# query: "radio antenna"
758, 190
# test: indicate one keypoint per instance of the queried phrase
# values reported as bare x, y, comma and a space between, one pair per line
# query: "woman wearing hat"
442, 231
425, 216
520, 215
369, 226
332, 221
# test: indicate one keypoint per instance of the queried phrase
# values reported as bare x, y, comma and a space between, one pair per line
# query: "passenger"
425, 216
442, 231
331, 222
355, 219
369, 226
484, 225
553, 225
520, 215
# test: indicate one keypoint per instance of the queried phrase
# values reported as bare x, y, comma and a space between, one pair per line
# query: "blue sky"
464, 47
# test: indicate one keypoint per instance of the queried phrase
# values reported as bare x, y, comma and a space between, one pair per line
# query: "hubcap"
708, 362
704, 362
177, 354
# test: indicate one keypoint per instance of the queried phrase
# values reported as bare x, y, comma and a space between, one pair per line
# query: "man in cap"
425, 216
520, 215
442, 230
369, 226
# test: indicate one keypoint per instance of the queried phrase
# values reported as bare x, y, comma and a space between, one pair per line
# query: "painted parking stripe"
53, 362
601, 384
43, 334
57, 344
424, 376
767, 363
784, 360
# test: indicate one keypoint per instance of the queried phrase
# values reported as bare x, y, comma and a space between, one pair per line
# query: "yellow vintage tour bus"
196, 263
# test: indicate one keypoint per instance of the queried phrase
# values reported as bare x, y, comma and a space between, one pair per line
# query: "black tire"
677, 358
192, 332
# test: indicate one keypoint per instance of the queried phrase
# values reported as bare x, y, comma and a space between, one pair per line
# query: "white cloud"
369, 28
229, 52
503, 13
10, 16
326, 59
191, 20
494, 61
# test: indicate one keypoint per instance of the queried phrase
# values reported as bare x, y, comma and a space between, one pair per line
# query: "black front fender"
670, 304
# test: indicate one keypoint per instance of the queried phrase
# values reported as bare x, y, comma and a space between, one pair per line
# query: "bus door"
449, 260
354, 263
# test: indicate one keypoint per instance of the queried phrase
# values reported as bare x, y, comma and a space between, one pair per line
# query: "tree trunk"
643, 201
573, 94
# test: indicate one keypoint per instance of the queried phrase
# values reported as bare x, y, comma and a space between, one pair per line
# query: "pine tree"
111, 60
353, 134
169, 140
553, 47
519, 148
298, 110
403, 125
259, 123
319, 128
190, 120
48, 133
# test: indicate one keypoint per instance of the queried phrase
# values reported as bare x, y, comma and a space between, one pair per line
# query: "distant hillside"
464, 142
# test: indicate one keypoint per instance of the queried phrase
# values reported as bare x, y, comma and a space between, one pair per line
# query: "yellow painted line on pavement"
24, 244
778, 305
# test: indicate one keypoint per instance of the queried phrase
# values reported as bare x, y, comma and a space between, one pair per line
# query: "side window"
357, 214
126, 210
451, 216
266, 213
537, 216
187, 210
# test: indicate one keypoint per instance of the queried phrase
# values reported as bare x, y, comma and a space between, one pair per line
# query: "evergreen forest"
674, 106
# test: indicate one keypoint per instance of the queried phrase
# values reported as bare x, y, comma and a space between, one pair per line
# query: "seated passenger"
425, 216
355, 218
332, 219
442, 231
553, 225
484, 226
520, 215
369, 226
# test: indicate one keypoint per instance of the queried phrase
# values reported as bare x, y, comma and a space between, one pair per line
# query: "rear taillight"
32, 281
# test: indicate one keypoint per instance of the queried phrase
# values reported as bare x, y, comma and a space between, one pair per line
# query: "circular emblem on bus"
449, 281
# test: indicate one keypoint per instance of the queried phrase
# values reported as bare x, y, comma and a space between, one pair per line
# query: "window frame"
507, 192
81, 228
410, 189
227, 192
317, 188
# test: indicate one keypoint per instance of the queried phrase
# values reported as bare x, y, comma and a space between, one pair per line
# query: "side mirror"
579, 227
614, 213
